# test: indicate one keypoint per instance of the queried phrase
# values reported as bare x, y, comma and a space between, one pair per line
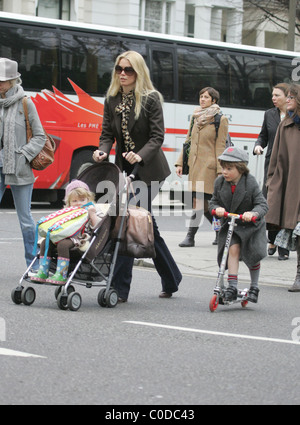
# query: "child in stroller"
77, 195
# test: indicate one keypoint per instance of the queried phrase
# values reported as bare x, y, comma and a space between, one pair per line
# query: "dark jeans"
164, 264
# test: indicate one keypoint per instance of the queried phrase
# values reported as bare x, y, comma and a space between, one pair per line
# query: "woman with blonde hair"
133, 117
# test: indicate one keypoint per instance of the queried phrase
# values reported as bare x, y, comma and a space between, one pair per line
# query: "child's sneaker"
253, 294
231, 293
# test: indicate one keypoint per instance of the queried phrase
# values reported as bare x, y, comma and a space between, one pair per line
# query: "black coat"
266, 138
147, 132
247, 197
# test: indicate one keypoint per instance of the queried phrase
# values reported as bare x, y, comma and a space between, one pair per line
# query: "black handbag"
185, 157
186, 150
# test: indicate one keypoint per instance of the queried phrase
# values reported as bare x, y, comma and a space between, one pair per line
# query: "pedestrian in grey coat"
15, 153
237, 191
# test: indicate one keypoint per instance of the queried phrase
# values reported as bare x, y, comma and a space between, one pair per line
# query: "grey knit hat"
8, 70
234, 154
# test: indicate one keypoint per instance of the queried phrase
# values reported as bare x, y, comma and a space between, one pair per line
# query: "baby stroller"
95, 267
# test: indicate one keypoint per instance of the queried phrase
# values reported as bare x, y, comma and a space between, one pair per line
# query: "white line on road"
201, 331
7, 352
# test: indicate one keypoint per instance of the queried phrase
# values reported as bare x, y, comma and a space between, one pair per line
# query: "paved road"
149, 351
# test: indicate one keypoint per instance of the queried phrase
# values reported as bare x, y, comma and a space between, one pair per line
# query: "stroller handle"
135, 170
238, 216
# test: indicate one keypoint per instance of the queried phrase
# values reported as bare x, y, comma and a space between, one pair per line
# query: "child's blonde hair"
81, 192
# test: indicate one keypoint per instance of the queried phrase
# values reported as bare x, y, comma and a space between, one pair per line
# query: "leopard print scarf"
124, 108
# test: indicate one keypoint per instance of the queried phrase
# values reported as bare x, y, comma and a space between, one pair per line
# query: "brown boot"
296, 285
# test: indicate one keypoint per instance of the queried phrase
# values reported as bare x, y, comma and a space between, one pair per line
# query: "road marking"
7, 352
201, 331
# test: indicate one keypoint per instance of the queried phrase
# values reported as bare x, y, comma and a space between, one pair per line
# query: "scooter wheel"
213, 305
244, 304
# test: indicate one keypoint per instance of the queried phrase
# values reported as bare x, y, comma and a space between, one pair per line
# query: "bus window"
36, 51
88, 60
283, 70
136, 45
163, 73
197, 69
251, 79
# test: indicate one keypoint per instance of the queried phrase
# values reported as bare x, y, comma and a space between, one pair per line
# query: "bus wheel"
81, 160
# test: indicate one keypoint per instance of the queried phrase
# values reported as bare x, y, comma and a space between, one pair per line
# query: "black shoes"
231, 293
253, 294
271, 251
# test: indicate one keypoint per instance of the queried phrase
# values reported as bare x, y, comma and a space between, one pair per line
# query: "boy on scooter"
237, 191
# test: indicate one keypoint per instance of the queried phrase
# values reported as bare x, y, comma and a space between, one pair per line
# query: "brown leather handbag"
137, 235
46, 155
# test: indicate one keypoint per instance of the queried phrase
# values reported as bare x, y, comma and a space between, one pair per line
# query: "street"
149, 351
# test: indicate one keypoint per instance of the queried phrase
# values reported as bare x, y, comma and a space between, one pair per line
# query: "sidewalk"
201, 259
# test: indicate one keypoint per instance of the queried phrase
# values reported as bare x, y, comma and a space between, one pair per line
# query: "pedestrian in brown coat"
283, 181
203, 163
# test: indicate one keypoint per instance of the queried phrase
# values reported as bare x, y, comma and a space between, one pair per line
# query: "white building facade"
234, 21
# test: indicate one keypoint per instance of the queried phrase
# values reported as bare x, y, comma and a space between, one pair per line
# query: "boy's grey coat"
247, 197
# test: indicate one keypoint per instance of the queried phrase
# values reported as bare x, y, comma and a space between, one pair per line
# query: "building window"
56, 9
155, 16
190, 25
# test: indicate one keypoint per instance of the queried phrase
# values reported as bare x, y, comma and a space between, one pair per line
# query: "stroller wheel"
28, 296
112, 298
16, 295
214, 302
74, 301
62, 301
59, 288
101, 298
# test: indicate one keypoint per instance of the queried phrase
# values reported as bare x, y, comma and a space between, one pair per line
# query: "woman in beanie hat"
77, 195
15, 153
237, 191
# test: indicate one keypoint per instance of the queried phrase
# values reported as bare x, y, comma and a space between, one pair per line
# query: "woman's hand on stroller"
132, 157
99, 156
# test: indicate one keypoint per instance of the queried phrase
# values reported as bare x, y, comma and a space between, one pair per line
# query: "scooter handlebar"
239, 216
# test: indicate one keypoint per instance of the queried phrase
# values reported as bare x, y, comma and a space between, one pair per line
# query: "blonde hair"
80, 192
143, 86
15, 82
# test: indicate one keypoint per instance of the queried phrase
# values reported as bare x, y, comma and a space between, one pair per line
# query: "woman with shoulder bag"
133, 116
206, 146
15, 153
